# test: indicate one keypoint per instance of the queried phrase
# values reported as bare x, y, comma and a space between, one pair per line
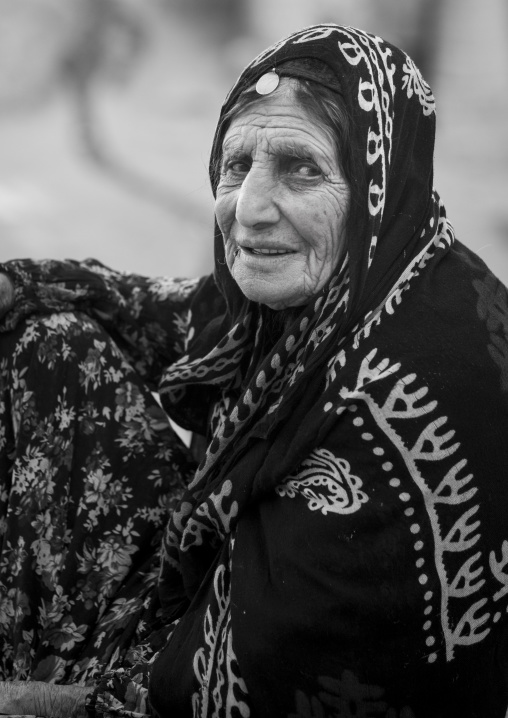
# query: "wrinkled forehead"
277, 122
272, 109
251, 100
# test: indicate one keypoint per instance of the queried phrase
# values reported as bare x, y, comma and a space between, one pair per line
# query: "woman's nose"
256, 207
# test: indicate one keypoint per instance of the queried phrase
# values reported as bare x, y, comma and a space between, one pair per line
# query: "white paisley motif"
414, 82
327, 483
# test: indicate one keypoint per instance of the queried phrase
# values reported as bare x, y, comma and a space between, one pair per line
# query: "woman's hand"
6, 294
36, 698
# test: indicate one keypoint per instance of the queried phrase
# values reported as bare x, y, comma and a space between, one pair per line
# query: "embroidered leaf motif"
450, 491
463, 620
414, 83
468, 629
498, 569
460, 537
464, 582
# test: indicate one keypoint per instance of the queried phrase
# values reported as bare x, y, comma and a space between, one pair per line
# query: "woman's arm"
148, 317
36, 698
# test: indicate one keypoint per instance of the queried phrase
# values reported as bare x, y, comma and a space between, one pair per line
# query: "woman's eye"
305, 168
236, 167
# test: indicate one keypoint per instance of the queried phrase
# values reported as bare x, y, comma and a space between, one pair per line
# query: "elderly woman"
342, 547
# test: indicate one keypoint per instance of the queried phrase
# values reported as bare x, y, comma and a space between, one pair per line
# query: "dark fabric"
342, 549
356, 471
89, 471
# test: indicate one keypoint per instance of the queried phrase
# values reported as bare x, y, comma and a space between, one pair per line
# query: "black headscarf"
341, 525
393, 125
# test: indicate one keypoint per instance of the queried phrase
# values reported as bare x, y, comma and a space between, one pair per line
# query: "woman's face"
281, 201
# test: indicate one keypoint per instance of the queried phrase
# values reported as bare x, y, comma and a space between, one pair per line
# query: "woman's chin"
273, 300
275, 295
284, 291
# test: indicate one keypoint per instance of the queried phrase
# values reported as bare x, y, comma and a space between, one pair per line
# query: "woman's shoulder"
454, 301
463, 273
447, 328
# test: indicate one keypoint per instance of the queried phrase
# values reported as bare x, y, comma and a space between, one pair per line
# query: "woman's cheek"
225, 209
230, 252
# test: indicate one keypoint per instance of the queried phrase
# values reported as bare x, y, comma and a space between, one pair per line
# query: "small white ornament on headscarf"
267, 83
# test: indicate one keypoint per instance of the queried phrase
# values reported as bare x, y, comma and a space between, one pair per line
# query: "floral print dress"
89, 466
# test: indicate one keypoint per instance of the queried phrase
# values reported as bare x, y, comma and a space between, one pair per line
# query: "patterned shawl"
338, 510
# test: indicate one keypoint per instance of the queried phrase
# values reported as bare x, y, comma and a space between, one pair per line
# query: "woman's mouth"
265, 251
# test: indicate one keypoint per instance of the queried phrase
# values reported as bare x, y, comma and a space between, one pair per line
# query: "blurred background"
108, 107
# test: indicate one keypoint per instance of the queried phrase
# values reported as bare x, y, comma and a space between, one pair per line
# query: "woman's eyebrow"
233, 151
292, 149
234, 146
279, 148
